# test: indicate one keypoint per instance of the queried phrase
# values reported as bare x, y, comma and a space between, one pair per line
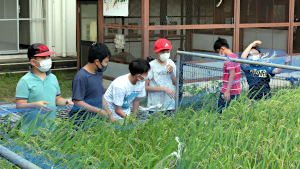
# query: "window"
21, 24
264, 11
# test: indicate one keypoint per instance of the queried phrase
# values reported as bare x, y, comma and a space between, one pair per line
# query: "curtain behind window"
37, 27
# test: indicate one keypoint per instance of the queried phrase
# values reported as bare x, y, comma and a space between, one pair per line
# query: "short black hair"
256, 48
221, 42
138, 66
98, 51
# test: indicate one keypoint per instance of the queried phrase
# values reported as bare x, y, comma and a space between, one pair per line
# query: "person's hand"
41, 103
169, 69
226, 96
69, 102
112, 119
287, 60
45, 109
133, 119
169, 92
255, 43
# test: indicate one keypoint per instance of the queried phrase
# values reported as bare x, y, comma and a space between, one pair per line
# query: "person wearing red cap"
39, 89
161, 79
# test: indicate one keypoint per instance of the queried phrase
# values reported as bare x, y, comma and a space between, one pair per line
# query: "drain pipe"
53, 27
63, 6
16, 159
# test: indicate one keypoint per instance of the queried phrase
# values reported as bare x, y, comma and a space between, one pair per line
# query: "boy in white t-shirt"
127, 88
161, 79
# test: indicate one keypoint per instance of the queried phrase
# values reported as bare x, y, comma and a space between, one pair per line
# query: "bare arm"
230, 80
22, 104
62, 102
120, 112
278, 70
173, 78
90, 108
169, 92
153, 89
172, 74
230, 83
135, 104
105, 107
247, 50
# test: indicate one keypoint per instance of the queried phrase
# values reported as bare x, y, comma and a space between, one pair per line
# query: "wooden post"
189, 21
162, 16
236, 35
181, 20
145, 29
291, 26
101, 33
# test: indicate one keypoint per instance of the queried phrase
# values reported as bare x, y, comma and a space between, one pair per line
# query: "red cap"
39, 49
162, 44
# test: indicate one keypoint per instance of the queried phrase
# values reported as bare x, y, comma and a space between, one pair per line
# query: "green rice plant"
249, 134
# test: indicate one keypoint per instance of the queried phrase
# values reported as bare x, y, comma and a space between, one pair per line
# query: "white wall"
70, 27
1, 9
206, 41
274, 39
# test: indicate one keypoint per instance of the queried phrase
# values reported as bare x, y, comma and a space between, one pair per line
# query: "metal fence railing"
199, 75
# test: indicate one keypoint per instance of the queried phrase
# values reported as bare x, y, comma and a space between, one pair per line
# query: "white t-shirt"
159, 77
122, 92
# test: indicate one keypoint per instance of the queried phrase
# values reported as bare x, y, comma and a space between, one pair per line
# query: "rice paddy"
248, 134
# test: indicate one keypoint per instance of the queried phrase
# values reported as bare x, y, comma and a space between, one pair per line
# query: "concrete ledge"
20, 56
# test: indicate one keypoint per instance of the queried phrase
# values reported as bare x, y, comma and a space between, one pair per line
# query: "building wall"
275, 39
70, 26
206, 42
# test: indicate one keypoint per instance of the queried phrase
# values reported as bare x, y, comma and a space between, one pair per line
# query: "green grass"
248, 134
65, 83
8, 83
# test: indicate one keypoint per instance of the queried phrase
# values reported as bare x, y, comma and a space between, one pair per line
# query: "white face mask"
45, 65
253, 57
164, 57
145, 78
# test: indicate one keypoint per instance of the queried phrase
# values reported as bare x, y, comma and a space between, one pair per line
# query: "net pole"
240, 60
177, 82
16, 159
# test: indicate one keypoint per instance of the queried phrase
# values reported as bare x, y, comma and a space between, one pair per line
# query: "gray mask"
101, 69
